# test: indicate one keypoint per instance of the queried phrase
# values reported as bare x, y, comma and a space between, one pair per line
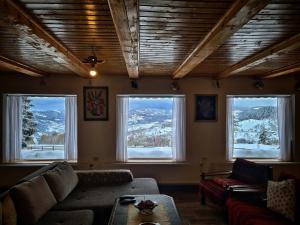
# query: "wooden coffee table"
119, 213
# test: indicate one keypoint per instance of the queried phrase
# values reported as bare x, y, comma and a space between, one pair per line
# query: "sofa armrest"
250, 193
215, 173
247, 188
103, 177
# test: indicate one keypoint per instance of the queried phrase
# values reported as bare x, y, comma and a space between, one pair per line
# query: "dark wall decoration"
206, 107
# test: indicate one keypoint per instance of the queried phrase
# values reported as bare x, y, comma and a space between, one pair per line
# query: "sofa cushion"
224, 182
32, 199
251, 172
62, 180
246, 213
281, 198
0, 213
215, 188
285, 176
76, 217
9, 214
101, 198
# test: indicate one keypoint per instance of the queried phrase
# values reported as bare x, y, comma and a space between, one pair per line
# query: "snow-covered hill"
48, 122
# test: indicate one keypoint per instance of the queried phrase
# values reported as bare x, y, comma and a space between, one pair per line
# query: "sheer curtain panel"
178, 138
285, 124
122, 127
71, 128
12, 128
229, 124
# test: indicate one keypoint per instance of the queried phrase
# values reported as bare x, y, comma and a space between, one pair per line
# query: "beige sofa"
58, 195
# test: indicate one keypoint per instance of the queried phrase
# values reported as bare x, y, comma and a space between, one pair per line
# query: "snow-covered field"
256, 151
38, 153
149, 152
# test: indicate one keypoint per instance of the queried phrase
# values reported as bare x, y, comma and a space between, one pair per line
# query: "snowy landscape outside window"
45, 125
257, 128
151, 127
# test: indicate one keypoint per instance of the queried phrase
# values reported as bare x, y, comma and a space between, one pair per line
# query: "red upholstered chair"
244, 175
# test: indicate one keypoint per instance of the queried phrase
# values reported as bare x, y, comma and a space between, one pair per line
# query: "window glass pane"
43, 128
255, 127
150, 127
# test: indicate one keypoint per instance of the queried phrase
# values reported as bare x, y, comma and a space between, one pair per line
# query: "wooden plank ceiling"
155, 37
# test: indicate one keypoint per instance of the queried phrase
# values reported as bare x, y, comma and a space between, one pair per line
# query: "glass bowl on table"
146, 207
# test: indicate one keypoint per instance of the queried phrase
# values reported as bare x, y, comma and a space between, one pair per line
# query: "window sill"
268, 162
32, 164
151, 162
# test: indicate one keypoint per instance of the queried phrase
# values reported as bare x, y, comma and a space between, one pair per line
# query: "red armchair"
244, 175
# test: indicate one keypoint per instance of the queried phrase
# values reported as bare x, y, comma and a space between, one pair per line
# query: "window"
150, 128
40, 128
260, 127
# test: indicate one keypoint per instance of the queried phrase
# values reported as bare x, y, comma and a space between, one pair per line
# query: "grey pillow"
62, 180
32, 199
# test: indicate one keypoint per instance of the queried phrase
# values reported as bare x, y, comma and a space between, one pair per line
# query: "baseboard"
178, 187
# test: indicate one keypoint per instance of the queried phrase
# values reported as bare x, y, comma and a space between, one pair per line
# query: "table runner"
159, 215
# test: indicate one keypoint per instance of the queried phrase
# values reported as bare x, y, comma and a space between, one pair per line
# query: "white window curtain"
178, 139
285, 125
122, 127
229, 127
12, 127
71, 128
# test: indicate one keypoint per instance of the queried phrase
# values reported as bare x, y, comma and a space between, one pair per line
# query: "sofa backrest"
38, 172
55, 172
251, 172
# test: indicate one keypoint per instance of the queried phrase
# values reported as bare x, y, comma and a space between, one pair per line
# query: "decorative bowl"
146, 207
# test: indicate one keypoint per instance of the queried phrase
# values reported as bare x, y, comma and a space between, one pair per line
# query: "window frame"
48, 160
291, 96
162, 159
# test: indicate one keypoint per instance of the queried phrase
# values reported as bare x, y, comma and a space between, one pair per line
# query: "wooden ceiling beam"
269, 53
283, 71
238, 15
19, 67
27, 28
125, 17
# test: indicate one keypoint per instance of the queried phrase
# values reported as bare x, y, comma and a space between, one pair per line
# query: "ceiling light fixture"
93, 72
93, 61
174, 86
259, 84
134, 84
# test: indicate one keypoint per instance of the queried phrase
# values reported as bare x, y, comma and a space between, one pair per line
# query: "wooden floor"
191, 210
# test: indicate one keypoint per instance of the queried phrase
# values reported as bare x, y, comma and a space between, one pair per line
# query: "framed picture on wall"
95, 103
206, 108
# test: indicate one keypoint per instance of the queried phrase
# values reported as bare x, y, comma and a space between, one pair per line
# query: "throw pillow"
9, 214
281, 198
32, 199
62, 180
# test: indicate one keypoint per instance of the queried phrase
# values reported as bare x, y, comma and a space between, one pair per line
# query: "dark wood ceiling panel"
14, 47
168, 32
82, 26
170, 29
277, 62
276, 22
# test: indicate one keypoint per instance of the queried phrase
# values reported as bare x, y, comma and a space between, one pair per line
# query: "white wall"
205, 140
